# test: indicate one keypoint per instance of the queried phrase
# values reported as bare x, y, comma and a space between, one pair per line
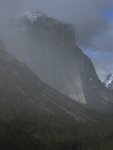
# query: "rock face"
23, 95
51, 52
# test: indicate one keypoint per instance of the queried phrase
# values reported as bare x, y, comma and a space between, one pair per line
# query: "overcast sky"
92, 20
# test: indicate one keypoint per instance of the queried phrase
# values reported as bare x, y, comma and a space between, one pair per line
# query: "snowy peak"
109, 81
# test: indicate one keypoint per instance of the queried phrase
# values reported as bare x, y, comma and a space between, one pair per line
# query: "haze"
91, 19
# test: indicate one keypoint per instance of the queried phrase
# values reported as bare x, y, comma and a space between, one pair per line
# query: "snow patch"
108, 80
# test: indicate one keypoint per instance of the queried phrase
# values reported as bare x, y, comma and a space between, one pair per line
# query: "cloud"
92, 20
86, 15
8, 8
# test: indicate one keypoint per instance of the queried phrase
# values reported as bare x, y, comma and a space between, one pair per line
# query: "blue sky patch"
108, 14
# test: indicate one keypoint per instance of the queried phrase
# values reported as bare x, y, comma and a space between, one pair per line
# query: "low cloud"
85, 15
91, 19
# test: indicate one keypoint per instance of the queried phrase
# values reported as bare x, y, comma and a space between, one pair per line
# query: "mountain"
108, 82
49, 48
35, 116
23, 94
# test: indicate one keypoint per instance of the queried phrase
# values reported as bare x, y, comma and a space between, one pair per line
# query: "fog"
85, 15
93, 29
